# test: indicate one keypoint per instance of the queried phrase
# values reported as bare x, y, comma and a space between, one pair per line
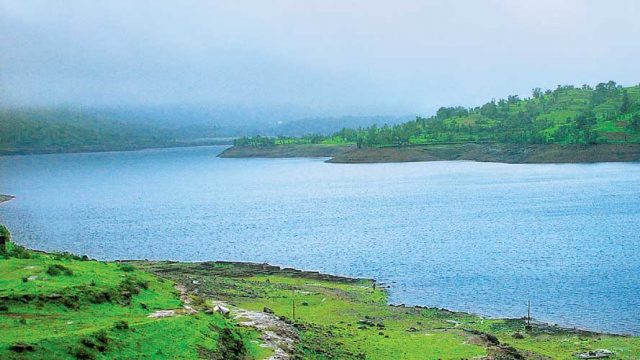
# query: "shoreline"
481, 152
4, 152
4, 198
290, 313
266, 269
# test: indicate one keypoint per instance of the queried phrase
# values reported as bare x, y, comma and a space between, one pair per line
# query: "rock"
412, 329
595, 354
267, 310
517, 335
221, 309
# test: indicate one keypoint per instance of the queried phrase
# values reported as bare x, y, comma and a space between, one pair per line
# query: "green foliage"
97, 313
344, 319
50, 130
566, 115
58, 269
5, 238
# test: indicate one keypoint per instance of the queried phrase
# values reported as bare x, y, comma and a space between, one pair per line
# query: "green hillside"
61, 306
53, 130
606, 113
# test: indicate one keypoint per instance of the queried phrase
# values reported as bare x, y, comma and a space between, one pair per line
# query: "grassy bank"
61, 306
488, 152
341, 318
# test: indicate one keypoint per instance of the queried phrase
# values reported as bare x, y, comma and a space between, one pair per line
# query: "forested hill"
26, 131
606, 113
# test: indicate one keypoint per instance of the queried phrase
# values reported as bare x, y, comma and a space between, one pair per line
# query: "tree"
537, 93
5, 238
626, 104
635, 122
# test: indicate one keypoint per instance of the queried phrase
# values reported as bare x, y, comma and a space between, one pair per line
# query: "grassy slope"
550, 118
329, 315
75, 314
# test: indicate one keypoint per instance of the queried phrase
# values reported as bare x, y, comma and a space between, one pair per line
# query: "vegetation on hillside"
341, 318
51, 130
606, 113
61, 306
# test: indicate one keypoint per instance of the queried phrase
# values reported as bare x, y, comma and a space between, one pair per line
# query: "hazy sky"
337, 57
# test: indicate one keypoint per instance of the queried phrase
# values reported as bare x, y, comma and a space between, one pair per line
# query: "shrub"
57, 269
102, 337
121, 325
82, 353
127, 267
5, 238
17, 251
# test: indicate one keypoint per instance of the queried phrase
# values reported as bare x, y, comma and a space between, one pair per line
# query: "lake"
477, 237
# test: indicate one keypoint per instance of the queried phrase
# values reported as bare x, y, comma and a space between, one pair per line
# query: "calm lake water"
478, 237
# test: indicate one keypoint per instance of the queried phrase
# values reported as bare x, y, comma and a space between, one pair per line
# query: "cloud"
330, 56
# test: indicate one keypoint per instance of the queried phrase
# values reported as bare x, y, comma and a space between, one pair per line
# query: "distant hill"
25, 131
606, 113
330, 125
61, 129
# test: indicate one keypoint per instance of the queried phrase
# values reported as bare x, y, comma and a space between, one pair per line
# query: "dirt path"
187, 309
276, 334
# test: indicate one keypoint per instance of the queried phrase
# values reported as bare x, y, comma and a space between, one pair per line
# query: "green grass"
68, 315
342, 319
73, 311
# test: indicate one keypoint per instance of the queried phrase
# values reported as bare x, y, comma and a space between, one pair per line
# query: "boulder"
221, 309
595, 354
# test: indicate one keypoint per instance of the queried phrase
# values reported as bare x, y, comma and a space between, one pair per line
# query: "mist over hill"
76, 129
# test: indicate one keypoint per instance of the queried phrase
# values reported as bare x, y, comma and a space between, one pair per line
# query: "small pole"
529, 313
293, 304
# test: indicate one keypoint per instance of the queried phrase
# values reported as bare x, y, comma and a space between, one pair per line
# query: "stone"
595, 354
221, 309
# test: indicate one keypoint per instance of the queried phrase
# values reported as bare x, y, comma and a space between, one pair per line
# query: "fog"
309, 58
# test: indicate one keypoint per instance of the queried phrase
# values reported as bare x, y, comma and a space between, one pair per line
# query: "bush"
57, 269
17, 251
121, 325
66, 256
82, 353
102, 337
127, 267
5, 238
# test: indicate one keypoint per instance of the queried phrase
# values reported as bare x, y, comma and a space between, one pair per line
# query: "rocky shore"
4, 198
484, 152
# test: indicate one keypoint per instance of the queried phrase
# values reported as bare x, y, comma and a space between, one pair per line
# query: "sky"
327, 57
